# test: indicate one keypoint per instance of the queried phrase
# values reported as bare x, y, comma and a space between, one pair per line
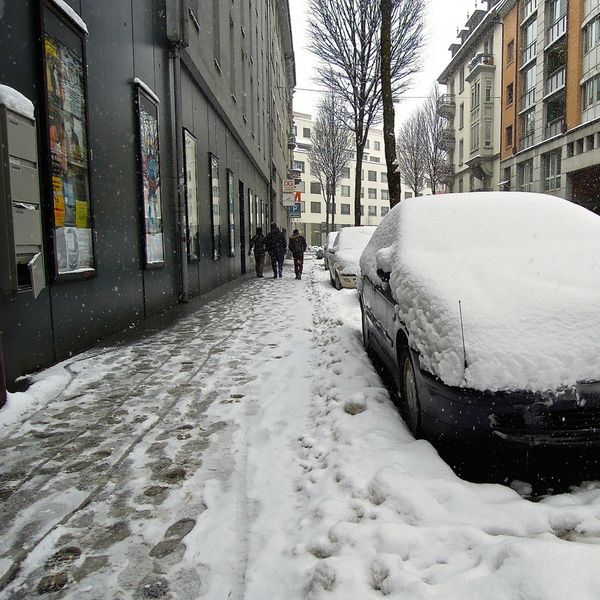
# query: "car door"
384, 319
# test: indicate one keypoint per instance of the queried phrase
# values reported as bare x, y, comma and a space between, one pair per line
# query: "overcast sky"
443, 17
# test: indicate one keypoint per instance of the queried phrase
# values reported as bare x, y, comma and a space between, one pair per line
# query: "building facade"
374, 192
471, 106
551, 123
159, 145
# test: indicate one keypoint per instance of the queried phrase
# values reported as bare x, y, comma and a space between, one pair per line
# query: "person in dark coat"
297, 247
275, 243
258, 242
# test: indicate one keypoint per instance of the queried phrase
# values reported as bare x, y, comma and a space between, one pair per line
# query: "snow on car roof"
526, 270
350, 244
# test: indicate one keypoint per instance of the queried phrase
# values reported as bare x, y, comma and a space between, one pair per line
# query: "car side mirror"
383, 275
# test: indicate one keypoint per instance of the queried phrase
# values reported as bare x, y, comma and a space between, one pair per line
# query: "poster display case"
231, 212
215, 206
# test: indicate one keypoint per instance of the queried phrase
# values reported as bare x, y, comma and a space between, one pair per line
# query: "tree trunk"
358, 181
389, 138
332, 212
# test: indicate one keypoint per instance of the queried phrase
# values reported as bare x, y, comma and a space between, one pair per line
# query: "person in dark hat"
297, 247
275, 243
259, 244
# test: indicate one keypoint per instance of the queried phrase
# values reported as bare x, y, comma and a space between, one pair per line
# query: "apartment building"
374, 192
157, 142
551, 98
471, 106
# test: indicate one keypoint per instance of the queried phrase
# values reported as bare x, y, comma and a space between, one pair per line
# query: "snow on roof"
15, 101
147, 89
525, 268
71, 13
349, 245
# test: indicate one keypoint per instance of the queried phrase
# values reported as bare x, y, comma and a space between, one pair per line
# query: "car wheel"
338, 283
409, 392
331, 280
365, 329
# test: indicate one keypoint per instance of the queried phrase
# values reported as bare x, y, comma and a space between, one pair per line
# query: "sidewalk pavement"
102, 482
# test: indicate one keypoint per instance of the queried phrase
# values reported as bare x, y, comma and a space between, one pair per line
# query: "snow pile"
15, 101
349, 245
525, 268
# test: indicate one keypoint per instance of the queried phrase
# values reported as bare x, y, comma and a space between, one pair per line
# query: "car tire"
365, 329
338, 283
409, 392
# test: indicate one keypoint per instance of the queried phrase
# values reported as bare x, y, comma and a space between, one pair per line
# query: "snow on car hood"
349, 246
526, 270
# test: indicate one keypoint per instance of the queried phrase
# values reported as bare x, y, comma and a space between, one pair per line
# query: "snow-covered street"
250, 450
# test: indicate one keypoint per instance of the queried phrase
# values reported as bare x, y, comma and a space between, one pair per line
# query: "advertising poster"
231, 210
216, 213
191, 195
150, 175
68, 157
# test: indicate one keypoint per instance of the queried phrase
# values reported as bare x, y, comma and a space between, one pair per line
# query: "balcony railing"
528, 9
556, 30
526, 141
528, 99
529, 53
555, 127
446, 106
482, 58
556, 80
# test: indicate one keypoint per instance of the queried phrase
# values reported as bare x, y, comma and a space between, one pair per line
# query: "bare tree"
345, 34
436, 159
331, 150
411, 151
401, 40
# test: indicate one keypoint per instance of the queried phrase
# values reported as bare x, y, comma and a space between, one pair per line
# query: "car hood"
525, 274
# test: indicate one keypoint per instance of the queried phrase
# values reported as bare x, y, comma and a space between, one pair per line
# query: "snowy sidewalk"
250, 452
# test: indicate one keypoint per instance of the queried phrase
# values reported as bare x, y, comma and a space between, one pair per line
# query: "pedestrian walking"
297, 247
258, 243
275, 243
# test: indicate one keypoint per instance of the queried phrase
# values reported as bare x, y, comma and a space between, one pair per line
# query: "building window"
372, 211
362, 192
509, 136
510, 52
471, 183
344, 209
461, 152
461, 185
488, 90
487, 134
70, 206
315, 187
506, 182
461, 80
345, 191
474, 137
375, 159
509, 94
525, 174
315, 207
367, 145
362, 210
362, 174
385, 210
552, 170
303, 206
299, 164
383, 177
346, 173
591, 35
461, 115
372, 175
377, 146
306, 132
591, 92
475, 94
385, 194
529, 41
408, 195
372, 193
528, 128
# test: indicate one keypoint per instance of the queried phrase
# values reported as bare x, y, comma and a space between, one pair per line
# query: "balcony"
448, 139
481, 60
556, 30
556, 81
554, 128
529, 53
446, 106
528, 99
526, 141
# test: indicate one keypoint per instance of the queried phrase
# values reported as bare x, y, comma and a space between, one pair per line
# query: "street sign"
288, 199
288, 186
295, 211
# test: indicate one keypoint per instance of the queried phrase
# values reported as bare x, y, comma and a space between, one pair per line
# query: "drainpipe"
176, 27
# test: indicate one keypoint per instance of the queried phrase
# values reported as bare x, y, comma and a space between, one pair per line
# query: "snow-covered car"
328, 246
486, 309
345, 254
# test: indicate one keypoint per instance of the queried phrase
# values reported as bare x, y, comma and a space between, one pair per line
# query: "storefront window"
65, 87
215, 203
191, 196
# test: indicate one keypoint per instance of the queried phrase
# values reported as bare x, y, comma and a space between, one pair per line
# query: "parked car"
328, 245
345, 254
485, 307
